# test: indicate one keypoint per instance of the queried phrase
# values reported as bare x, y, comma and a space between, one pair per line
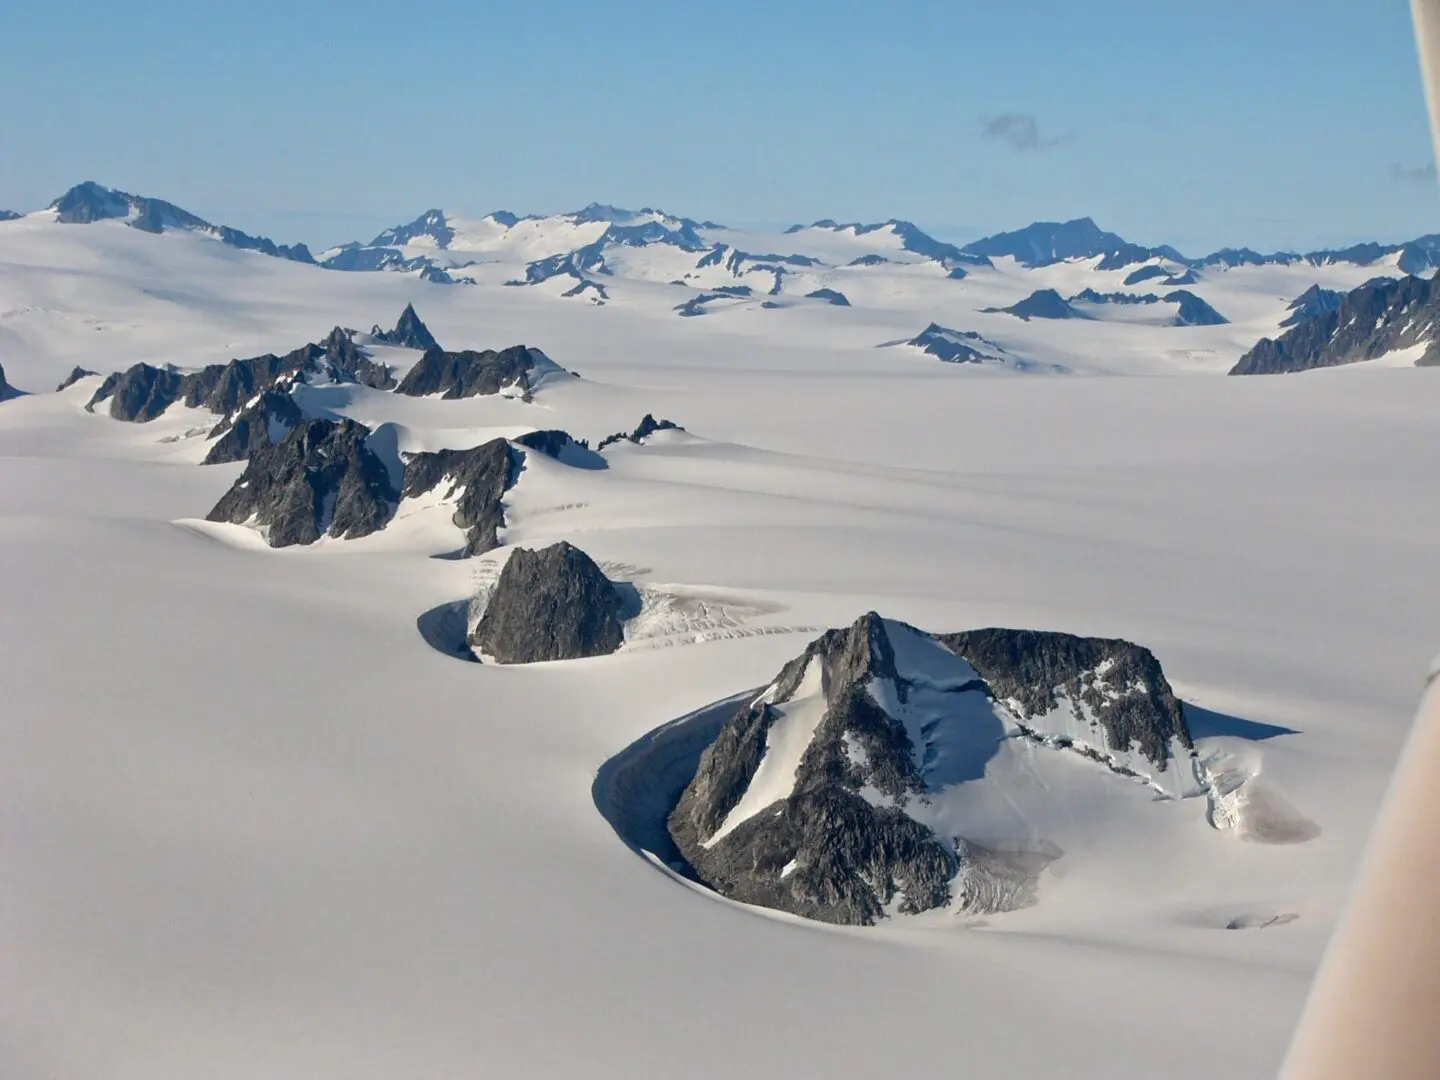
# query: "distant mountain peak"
89, 202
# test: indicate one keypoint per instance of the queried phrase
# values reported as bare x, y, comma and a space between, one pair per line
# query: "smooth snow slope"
251, 824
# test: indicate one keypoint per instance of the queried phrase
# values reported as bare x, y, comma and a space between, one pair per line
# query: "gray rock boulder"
553, 604
480, 476
320, 479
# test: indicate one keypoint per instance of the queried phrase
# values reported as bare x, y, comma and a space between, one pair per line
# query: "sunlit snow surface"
253, 825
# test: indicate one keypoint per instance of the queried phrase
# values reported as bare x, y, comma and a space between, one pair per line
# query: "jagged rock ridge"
820, 796
319, 480
553, 604
1375, 319
647, 427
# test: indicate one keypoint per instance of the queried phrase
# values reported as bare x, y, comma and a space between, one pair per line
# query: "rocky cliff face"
480, 476
1375, 319
320, 479
553, 604
261, 424
826, 795
6, 390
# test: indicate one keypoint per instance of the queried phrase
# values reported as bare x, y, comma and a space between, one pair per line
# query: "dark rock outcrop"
1030, 666
1374, 319
261, 424
847, 838
955, 346
1041, 304
469, 373
1193, 311
143, 392
320, 479
6, 390
563, 448
481, 475
647, 427
830, 296
553, 604
409, 332
1047, 242
1146, 273
9, 215
76, 374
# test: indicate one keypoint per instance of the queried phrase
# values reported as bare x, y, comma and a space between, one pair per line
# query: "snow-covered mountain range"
1130, 307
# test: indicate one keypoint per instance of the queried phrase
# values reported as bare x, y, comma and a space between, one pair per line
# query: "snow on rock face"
829, 795
320, 479
553, 604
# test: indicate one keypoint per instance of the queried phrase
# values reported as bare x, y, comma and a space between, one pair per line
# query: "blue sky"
1271, 123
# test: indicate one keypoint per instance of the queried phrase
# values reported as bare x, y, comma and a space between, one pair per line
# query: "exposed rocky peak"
262, 423
477, 478
88, 201
1193, 311
1044, 243
825, 795
469, 373
955, 346
564, 448
9, 215
1377, 318
409, 332
830, 296
1041, 304
140, 393
647, 427
320, 479
76, 374
432, 224
1121, 683
6, 390
552, 604
347, 362
1312, 302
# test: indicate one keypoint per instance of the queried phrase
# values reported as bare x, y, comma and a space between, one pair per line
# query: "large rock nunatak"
826, 796
480, 476
553, 604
